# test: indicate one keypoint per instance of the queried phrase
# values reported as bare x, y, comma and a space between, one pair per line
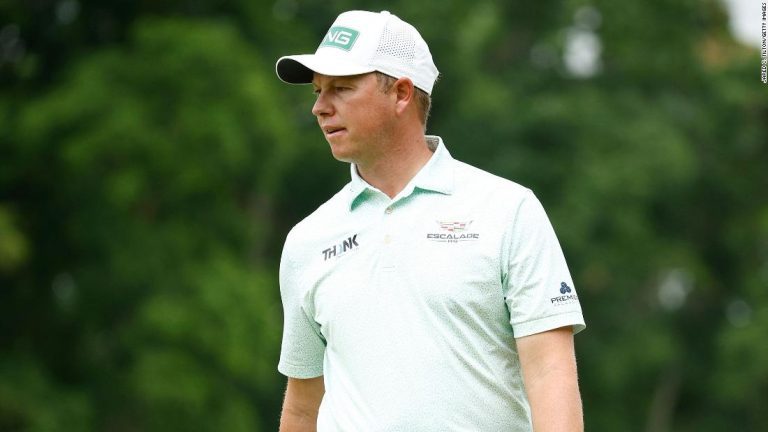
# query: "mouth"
332, 131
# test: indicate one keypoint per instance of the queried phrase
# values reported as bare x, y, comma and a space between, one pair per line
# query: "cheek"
375, 116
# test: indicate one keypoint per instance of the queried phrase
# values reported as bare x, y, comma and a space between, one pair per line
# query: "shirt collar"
436, 175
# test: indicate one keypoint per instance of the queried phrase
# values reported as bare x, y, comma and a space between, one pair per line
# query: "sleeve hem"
574, 319
302, 372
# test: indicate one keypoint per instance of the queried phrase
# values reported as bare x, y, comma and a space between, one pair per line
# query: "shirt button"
388, 210
387, 239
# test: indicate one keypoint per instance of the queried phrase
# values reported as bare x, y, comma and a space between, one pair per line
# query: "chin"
342, 155
341, 158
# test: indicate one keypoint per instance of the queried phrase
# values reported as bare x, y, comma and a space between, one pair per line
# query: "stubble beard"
368, 151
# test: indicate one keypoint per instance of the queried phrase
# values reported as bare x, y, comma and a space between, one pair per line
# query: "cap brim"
300, 69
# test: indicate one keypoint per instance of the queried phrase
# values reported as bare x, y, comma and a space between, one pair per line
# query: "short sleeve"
538, 288
303, 347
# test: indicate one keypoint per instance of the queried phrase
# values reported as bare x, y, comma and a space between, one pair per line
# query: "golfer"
426, 295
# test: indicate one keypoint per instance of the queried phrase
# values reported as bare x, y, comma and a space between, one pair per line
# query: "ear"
405, 93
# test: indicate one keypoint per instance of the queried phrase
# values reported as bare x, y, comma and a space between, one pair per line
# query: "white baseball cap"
359, 42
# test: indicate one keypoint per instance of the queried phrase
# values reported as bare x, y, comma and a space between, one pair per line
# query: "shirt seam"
546, 317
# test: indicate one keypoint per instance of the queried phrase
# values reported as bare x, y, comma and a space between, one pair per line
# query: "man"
426, 295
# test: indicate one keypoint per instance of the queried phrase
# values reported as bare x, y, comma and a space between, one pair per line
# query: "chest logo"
342, 248
453, 232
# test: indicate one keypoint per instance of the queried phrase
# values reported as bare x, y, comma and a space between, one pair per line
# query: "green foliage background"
151, 164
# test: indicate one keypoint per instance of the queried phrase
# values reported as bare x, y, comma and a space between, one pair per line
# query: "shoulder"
473, 181
314, 227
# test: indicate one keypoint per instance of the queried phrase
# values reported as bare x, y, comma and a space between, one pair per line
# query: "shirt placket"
388, 238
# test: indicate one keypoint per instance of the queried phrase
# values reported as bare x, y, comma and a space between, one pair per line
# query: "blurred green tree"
145, 180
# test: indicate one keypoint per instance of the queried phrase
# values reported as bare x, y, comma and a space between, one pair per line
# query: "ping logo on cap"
340, 37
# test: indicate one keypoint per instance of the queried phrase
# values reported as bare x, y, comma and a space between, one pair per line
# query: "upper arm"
545, 351
301, 404
548, 363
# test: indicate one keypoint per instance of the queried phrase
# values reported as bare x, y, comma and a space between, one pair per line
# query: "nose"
322, 106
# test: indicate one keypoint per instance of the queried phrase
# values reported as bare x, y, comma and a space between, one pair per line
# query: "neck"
397, 165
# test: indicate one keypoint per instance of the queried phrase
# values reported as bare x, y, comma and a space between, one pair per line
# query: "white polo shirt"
410, 306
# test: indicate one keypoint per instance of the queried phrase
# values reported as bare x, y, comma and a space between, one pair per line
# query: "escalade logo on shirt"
455, 226
453, 232
342, 248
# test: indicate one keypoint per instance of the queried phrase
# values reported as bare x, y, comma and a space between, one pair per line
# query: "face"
354, 115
